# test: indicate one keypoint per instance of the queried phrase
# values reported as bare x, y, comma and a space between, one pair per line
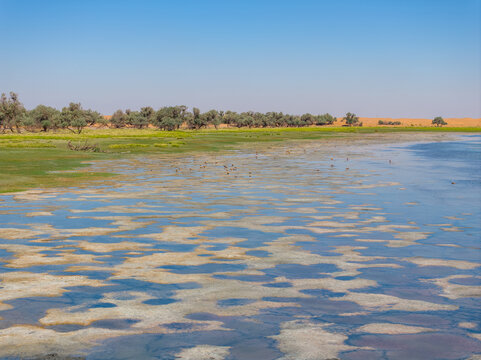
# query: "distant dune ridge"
452, 122
369, 122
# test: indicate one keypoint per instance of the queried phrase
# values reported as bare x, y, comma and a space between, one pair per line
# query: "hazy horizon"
393, 59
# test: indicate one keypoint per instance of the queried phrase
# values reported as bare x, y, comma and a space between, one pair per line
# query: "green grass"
32, 160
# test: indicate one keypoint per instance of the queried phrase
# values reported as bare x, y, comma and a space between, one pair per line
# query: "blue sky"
391, 58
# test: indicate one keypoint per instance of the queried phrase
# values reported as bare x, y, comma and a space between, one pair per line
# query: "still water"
366, 247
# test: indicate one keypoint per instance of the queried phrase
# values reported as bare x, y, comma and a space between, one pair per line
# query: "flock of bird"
228, 170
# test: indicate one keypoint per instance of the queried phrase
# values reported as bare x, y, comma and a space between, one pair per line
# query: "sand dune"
367, 122
452, 122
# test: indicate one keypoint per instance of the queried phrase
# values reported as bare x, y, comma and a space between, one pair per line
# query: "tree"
145, 118
168, 123
74, 118
230, 117
197, 120
42, 117
351, 119
307, 119
211, 117
139, 119
325, 119
118, 119
92, 117
11, 112
246, 119
169, 117
439, 121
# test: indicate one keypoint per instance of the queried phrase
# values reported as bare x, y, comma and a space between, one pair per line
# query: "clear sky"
392, 58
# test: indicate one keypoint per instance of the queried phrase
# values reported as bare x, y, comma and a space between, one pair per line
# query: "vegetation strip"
45, 147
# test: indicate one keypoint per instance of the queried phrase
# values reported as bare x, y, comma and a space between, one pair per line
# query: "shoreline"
57, 166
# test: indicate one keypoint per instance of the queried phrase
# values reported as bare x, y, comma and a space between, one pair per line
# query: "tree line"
14, 117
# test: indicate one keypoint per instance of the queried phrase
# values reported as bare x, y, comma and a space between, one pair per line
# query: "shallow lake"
357, 247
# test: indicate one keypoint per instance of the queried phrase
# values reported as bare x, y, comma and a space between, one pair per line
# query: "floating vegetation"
127, 146
85, 146
12, 144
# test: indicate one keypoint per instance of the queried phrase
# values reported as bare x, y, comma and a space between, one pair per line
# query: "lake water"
365, 247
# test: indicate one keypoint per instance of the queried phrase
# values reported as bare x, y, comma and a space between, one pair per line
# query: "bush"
351, 119
439, 121
380, 122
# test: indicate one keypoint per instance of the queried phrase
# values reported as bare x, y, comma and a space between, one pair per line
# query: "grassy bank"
42, 160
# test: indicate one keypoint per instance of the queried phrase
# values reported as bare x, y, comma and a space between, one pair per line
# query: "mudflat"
360, 246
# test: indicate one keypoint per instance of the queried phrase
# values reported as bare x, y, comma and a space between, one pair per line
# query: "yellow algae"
356, 313
119, 209
121, 223
364, 208
259, 223
27, 260
304, 340
26, 256
330, 284
403, 239
15, 285
332, 224
467, 325
300, 210
453, 218
382, 302
30, 341
14, 234
476, 336
204, 352
33, 195
326, 200
371, 186
458, 264
392, 329
109, 247
130, 305
452, 229
180, 234
38, 213
456, 291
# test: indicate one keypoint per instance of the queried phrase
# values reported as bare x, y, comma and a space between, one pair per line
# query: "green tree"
169, 117
119, 119
351, 119
146, 115
197, 120
42, 117
325, 119
211, 117
439, 121
92, 117
307, 119
75, 119
168, 123
140, 119
231, 117
11, 112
